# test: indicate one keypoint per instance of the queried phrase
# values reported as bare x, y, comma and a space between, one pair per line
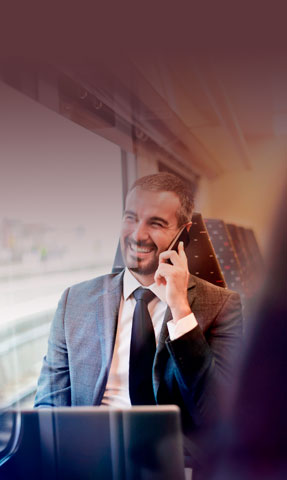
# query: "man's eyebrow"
151, 219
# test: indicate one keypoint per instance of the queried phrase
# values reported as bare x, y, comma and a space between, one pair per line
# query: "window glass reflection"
61, 188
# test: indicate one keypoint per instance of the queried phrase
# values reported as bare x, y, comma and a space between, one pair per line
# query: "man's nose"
140, 232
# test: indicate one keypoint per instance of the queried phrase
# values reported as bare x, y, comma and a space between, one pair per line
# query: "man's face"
148, 227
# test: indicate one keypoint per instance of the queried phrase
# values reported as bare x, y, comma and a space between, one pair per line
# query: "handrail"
13, 442
25, 337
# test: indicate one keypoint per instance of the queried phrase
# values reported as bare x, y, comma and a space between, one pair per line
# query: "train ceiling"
205, 115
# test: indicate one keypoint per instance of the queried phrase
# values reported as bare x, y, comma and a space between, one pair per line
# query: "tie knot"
144, 294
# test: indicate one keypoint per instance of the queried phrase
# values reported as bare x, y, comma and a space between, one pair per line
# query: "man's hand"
175, 277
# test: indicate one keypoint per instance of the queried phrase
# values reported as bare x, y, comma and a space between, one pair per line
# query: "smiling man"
149, 225
152, 334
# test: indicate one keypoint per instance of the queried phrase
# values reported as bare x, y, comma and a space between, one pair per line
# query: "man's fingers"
163, 270
181, 251
171, 255
174, 256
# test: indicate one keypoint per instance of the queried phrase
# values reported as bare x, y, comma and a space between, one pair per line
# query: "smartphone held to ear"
182, 236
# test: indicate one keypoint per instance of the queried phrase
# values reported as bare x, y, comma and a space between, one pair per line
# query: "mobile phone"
181, 236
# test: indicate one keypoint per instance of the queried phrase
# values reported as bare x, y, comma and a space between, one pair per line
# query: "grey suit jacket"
185, 371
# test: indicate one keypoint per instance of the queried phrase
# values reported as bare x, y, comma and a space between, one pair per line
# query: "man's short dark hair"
167, 182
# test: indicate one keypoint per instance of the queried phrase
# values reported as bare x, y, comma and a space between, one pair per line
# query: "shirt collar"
130, 284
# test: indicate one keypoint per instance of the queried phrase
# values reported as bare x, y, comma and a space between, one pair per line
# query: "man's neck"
144, 280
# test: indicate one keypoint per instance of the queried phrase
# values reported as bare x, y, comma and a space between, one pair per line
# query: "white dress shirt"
117, 388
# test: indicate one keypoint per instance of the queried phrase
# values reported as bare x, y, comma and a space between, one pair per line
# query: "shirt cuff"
181, 327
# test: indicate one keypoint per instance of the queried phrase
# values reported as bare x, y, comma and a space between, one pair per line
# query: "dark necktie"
142, 351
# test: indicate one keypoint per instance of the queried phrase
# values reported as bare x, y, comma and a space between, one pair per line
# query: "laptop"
85, 443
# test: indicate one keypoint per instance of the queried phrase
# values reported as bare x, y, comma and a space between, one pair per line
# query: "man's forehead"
150, 204
139, 197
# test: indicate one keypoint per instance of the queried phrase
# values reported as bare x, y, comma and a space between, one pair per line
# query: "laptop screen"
99, 443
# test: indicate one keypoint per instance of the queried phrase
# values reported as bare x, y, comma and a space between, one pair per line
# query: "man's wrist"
181, 327
179, 312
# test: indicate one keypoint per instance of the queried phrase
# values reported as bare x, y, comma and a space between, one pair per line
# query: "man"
91, 357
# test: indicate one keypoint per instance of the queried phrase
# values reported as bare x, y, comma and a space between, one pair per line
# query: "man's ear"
188, 225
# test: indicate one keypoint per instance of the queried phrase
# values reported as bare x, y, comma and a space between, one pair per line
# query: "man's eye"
156, 224
129, 218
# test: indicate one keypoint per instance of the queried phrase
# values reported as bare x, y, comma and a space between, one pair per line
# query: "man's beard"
135, 264
146, 269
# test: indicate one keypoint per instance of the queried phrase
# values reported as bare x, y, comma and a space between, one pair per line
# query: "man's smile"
140, 249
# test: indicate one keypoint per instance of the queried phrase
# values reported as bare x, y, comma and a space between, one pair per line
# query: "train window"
61, 204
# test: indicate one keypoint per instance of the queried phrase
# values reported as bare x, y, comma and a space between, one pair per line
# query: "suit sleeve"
54, 388
204, 363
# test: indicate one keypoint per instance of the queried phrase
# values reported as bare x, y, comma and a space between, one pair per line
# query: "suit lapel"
162, 354
107, 310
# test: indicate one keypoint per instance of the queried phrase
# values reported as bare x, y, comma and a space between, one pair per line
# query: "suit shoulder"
211, 289
96, 285
215, 305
